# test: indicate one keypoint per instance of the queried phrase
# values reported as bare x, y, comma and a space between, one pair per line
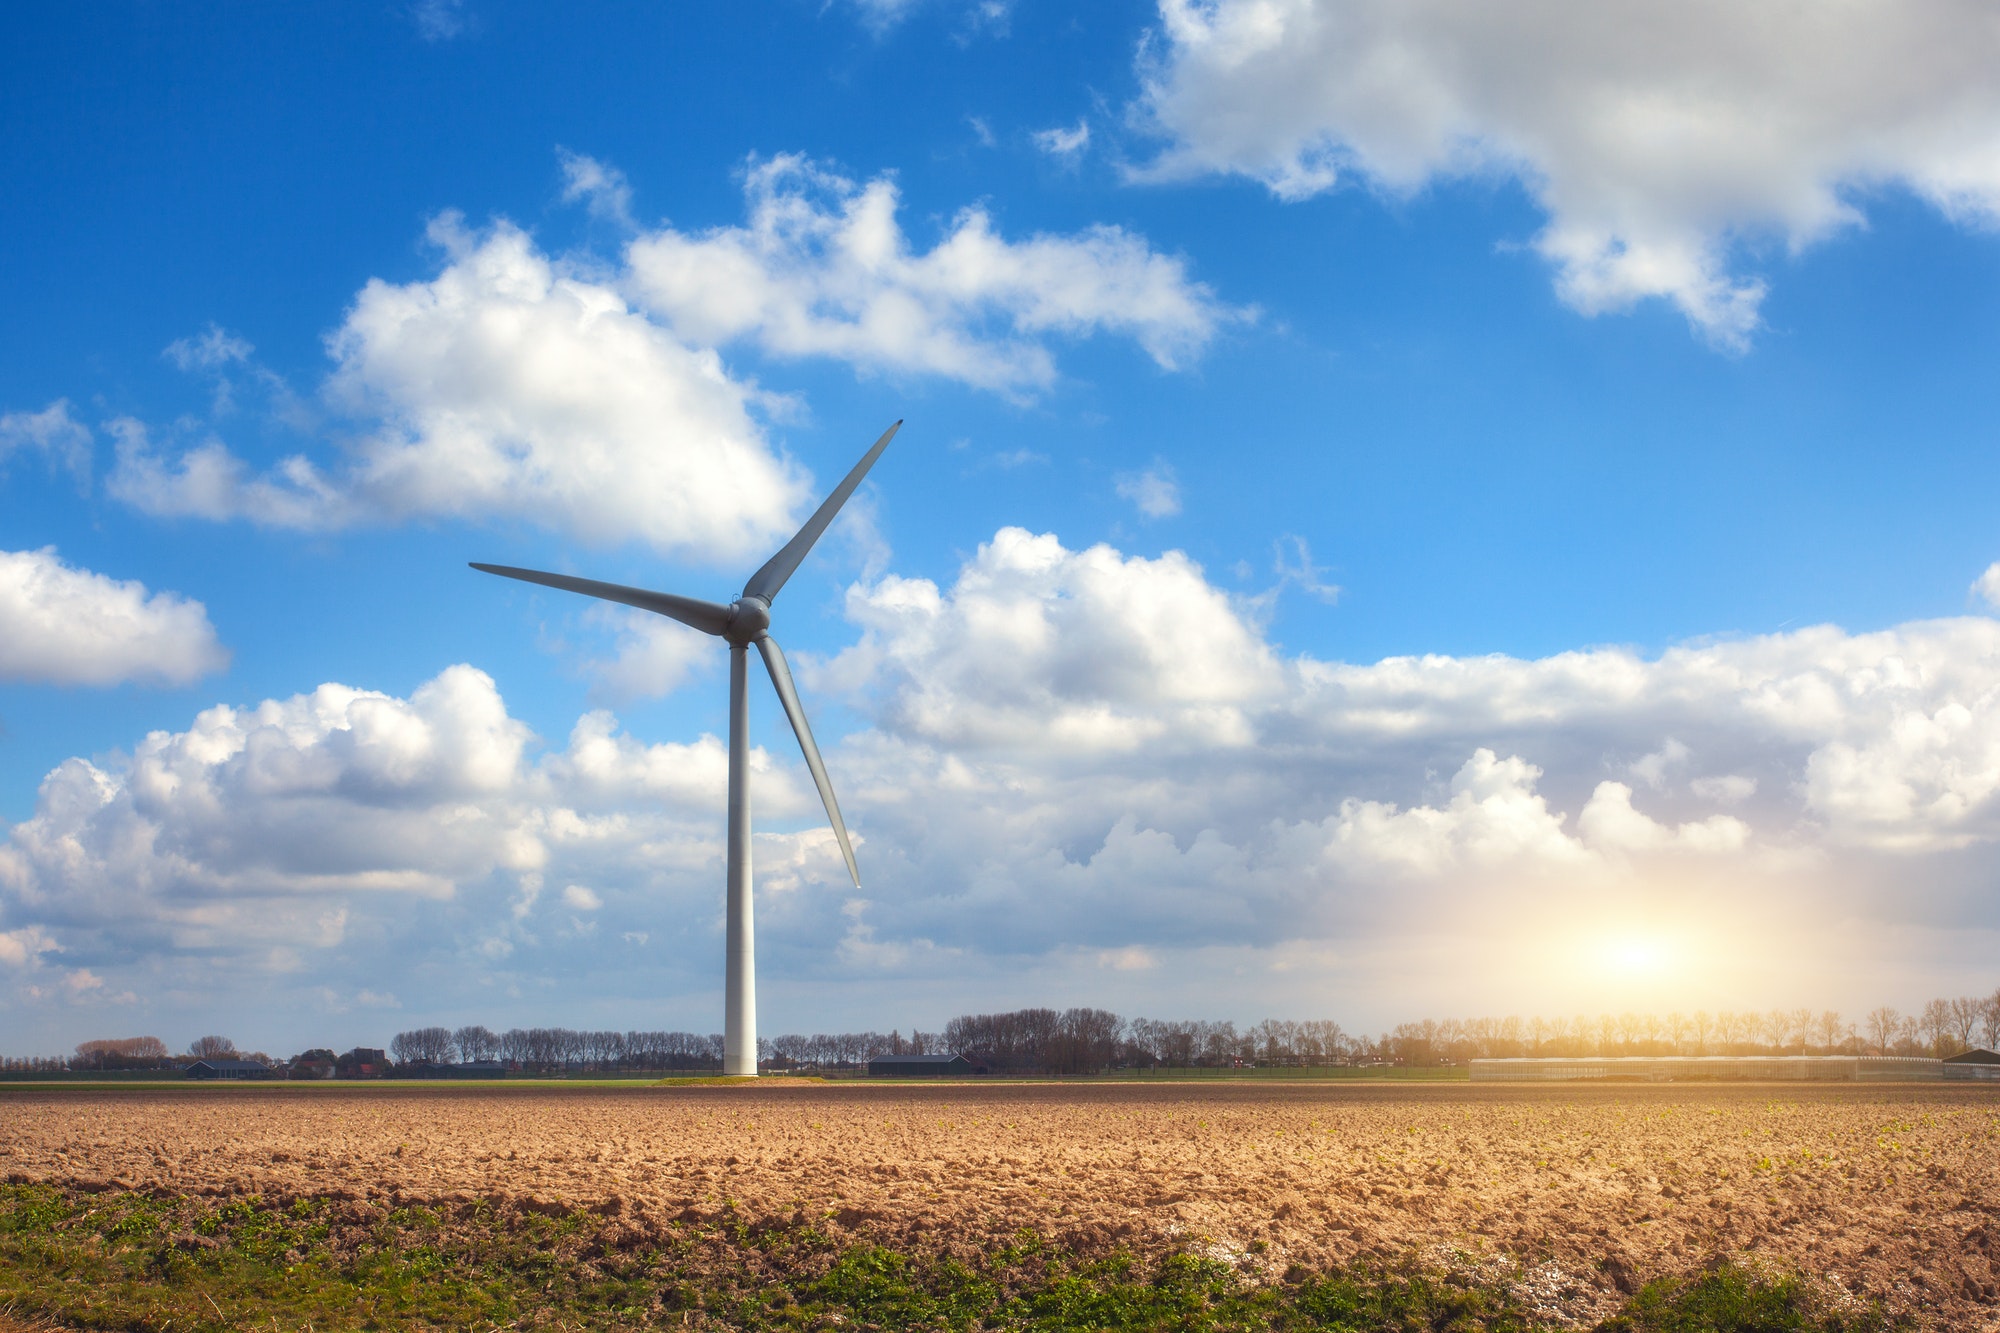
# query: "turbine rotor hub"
749, 620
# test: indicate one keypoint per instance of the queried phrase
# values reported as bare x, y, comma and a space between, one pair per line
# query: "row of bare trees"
1944, 1027
559, 1050
1084, 1041
823, 1052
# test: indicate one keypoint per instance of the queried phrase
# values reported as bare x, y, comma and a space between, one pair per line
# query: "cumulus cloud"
506, 387
295, 828
1036, 644
1657, 135
1493, 818
54, 433
1155, 491
24, 948
1088, 761
1725, 788
651, 654
600, 187
823, 268
1610, 822
67, 626
1987, 586
594, 401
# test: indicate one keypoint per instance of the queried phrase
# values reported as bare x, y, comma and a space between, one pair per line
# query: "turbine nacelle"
749, 621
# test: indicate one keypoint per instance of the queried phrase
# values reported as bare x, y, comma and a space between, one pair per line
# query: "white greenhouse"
1712, 1068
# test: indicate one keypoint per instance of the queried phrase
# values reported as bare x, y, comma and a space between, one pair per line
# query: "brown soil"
1892, 1192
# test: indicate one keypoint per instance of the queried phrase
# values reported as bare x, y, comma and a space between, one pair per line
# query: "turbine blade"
704, 616
788, 695
766, 581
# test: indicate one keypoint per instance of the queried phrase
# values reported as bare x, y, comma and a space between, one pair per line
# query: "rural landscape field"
813, 1204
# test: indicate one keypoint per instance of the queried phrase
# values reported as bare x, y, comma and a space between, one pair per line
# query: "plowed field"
1891, 1192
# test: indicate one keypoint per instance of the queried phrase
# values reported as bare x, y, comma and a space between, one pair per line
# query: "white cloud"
68, 626
439, 20
309, 825
516, 386
1494, 818
1652, 769
652, 657
506, 388
1035, 644
824, 269
1130, 959
1155, 491
1292, 562
24, 948
62, 440
1725, 789
1064, 142
1987, 585
1609, 822
1656, 135
1089, 758
880, 16
214, 349
602, 188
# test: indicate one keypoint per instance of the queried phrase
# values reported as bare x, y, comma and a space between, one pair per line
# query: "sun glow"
1637, 957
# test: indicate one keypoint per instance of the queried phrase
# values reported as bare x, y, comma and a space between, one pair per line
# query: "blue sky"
1284, 436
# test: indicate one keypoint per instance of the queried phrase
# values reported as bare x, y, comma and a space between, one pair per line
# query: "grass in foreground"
127, 1260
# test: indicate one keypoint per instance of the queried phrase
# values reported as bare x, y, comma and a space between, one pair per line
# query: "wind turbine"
745, 621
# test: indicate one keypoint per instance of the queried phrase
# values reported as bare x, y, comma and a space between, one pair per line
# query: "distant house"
363, 1062
219, 1068
1978, 1063
921, 1066
316, 1063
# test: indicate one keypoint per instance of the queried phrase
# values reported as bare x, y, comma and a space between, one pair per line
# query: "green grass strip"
179, 1264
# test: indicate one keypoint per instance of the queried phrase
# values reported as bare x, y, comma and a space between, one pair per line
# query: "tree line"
559, 1050
1087, 1041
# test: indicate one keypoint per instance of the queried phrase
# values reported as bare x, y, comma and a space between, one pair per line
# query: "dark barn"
227, 1069
920, 1066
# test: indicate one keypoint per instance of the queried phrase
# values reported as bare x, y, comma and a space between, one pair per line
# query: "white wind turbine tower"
745, 621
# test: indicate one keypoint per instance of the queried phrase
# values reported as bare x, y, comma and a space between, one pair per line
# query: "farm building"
919, 1066
1975, 1063
363, 1062
227, 1069
467, 1069
1709, 1068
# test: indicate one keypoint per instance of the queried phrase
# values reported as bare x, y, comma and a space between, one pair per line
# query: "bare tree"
1909, 1036
212, 1048
1700, 1026
1776, 1028
1883, 1025
120, 1053
422, 1046
1935, 1024
475, 1043
1827, 1028
1966, 1011
1989, 1021
1654, 1028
